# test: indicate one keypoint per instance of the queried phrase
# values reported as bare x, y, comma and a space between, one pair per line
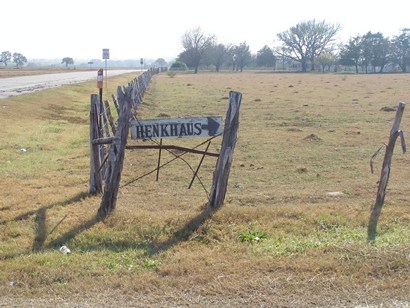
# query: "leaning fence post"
224, 162
95, 159
116, 155
384, 177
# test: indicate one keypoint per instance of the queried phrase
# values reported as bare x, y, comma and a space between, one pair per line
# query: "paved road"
27, 84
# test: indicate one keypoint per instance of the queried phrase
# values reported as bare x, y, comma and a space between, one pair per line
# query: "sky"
151, 29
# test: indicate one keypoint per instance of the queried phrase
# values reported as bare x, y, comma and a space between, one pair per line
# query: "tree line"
18, 59
309, 45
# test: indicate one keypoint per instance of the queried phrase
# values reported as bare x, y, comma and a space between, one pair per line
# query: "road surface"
28, 84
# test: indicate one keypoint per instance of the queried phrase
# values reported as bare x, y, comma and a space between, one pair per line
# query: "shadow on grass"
72, 233
74, 199
150, 249
42, 233
185, 232
41, 227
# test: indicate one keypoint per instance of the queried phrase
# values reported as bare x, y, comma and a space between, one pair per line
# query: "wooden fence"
108, 139
108, 136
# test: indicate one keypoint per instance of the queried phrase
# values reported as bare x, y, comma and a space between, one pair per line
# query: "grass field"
301, 137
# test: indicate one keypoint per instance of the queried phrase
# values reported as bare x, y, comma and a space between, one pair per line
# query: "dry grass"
301, 136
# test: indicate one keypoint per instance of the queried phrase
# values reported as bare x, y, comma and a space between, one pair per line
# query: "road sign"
106, 54
176, 128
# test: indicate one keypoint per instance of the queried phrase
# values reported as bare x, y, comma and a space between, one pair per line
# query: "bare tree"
196, 44
307, 40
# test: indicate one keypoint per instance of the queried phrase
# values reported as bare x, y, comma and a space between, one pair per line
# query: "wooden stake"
95, 159
384, 177
224, 162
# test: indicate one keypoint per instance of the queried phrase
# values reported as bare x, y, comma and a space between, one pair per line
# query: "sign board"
176, 128
141, 61
106, 54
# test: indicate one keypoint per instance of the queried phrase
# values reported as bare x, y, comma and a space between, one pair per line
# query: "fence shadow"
185, 232
73, 233
41, 218
74, 199
42, 232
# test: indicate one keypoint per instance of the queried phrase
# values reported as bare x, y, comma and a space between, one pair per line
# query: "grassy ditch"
282, 237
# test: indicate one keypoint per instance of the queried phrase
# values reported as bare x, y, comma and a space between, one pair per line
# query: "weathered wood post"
224, 162
95, 159
109, 116
384, 177
117, 153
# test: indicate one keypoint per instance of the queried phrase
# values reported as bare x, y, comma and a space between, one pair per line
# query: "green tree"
179, 66
375, 49
196, 44
326, 59
217, 55
265, 57
5, 57
160, 62
307, 40
241, 55
19, 59
351, 53
68, 61
400, 50
381, 51
366, 51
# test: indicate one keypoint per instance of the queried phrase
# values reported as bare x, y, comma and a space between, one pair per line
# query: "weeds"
148, 263
253, 236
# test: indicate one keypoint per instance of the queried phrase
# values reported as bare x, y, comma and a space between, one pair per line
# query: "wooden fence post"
109, 116
100, 120
117, 153
224, 162
384, 177
95, 159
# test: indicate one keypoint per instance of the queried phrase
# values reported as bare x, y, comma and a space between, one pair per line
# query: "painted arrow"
212, 127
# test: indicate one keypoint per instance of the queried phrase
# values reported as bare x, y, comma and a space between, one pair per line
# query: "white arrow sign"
176, 128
